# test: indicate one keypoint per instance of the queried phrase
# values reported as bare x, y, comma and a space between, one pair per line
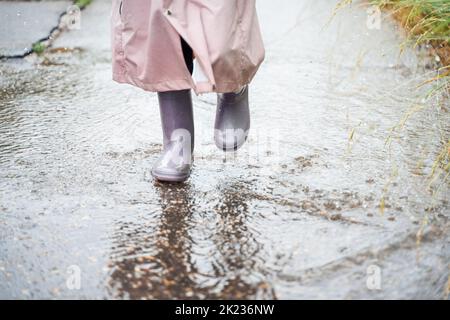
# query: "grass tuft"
82, 3
38, 47
426, 21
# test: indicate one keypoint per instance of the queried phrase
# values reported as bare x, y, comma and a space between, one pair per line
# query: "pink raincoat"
147, 51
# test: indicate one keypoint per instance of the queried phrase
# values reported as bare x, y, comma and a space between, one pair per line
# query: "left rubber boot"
232, 120
175, 162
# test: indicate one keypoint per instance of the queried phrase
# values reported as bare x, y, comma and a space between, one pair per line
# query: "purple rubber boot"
175, 162
232, 120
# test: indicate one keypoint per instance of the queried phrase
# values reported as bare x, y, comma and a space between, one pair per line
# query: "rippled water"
294, 214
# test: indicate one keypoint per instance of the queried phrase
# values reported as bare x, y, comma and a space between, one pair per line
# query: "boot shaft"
177, 118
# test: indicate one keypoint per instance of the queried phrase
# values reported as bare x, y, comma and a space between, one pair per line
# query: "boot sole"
234, 148
169, 178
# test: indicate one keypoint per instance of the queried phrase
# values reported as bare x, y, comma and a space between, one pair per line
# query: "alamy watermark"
73, 281
373, 21
72, 19
373, 280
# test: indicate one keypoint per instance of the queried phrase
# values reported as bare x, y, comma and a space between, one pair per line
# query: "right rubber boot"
175, 162
232, 122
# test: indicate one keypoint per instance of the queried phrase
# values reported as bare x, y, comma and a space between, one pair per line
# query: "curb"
53, 34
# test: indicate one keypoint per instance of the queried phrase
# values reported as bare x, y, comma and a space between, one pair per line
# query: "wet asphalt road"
297, 213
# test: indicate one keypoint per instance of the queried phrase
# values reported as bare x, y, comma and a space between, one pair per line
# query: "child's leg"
188, 55
178, 130
232, 120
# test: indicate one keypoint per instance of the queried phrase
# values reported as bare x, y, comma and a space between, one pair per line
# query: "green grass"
426, 21
38, 47
82, 3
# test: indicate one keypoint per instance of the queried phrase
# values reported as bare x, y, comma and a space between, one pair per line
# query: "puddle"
294, 214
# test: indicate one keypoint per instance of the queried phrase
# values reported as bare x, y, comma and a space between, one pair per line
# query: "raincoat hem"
178, 84
172, 85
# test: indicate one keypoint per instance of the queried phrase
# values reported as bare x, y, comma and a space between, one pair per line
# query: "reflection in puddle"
162, 263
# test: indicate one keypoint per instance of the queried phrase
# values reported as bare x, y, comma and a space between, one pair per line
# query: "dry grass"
426, 21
